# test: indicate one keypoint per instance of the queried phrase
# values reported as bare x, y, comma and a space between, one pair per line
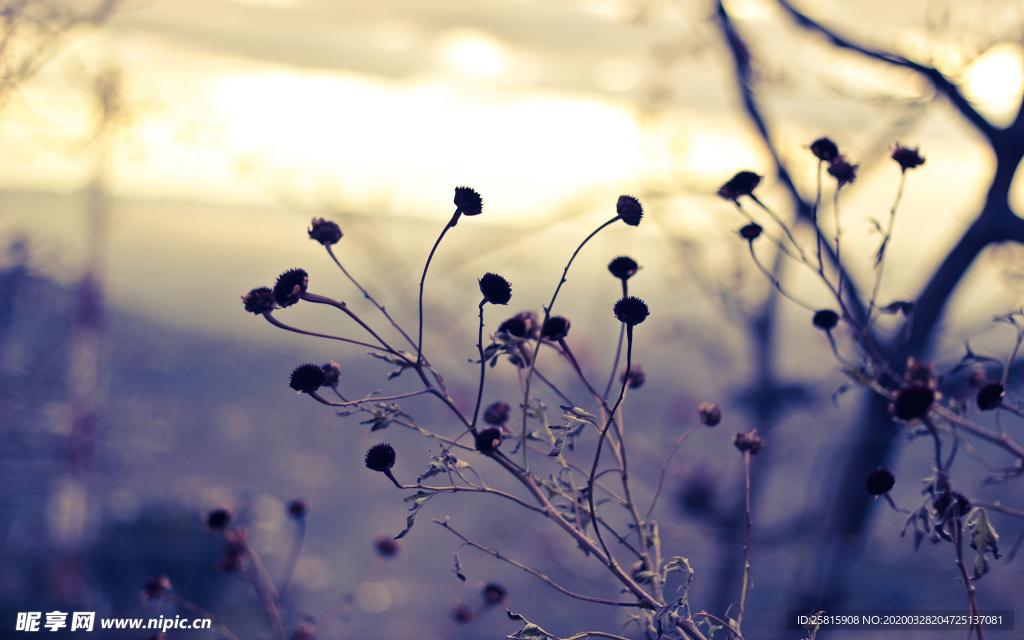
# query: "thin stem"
419, 339
265, 590
618, 349
664, 468
277, 323
775, 281
883, 251
971, 597
784, 227
835, 210
595, 634
814, 221
316, 396
199, 611
746, 544
457, 489
483, 368
293, 557
576, 367
497, 554
316, 299
734, 632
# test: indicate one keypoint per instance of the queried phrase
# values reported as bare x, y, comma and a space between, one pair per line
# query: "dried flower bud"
235, 546
710, 413
751, 231
462, 614
629, 210
155, 587
304, 631
259, 300
880, 481
297, 508
825, 319
325, 232
488, 440
824, 149
494, 593
623, 267
741, 184
332, 373
306, 378
468, 201
921, 372
496, 290
497, 413
913, 401
946, 499
381, 457
521, 325
631, 310
907, 158
218, 519
386, 546
290, 286
990, 395
635, 378
749, 441
842, 171
556, 328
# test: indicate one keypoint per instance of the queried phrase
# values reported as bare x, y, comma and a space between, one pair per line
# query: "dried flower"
710, 413
631, 310
880, 481
306, 378
494, 593
825, 319
521, 325
556, 328
629, 210
497, 413
496, 290
623, 268
386, 546
741, 184
259, 300
946, 499
235, 546
921, 372
842, 171
990, 395
325, 232
824, 149
218, 519
635, 378
332, 373
290, 286
297, 508
488, 440
381, 457
907, 158
751, 231
749, 441
468, 201
913, 401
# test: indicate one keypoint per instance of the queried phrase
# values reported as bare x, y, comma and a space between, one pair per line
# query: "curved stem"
316, 396
483, 368
280, 325
293, 557
316, 299
423, 279
664, 468
746, 544
618, 349
199, 611
883, 250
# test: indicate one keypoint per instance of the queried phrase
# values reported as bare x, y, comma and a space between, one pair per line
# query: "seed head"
556, 328
635, 378
259, 300
381, 457
751, 231
631, 310
825, 319
468, 201
913, 401
386, 546
521, 325
990, 395
824, 149
907, 158
218, 519
497, 413
749, 441
880, 481
324, 231
290, 287
488, 440
496, 290
921, 373
629, 210
741, 184
332, 373
494, 593
623, 268
842, 171
946, 498
297, 509
306, 378
710, 414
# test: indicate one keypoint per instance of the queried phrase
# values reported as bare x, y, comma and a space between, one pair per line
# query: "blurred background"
160, 158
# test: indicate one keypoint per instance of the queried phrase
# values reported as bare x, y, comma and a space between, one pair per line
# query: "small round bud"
494, 593
710, 414
907, 158
842, 171
386, 546
497, 413
218, 519
332, 373
290, 286
749, 441
880, 481
990, 395
259, 300
381, 457
488, 440
635, 378
751, 231
825, 319
631, 310
462, 614
912, 401
468, 201
297, 508
324, 231
521, 325
623, 268
824, 149
496, 290
556, 328
629, 210
741, 184
306, 378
